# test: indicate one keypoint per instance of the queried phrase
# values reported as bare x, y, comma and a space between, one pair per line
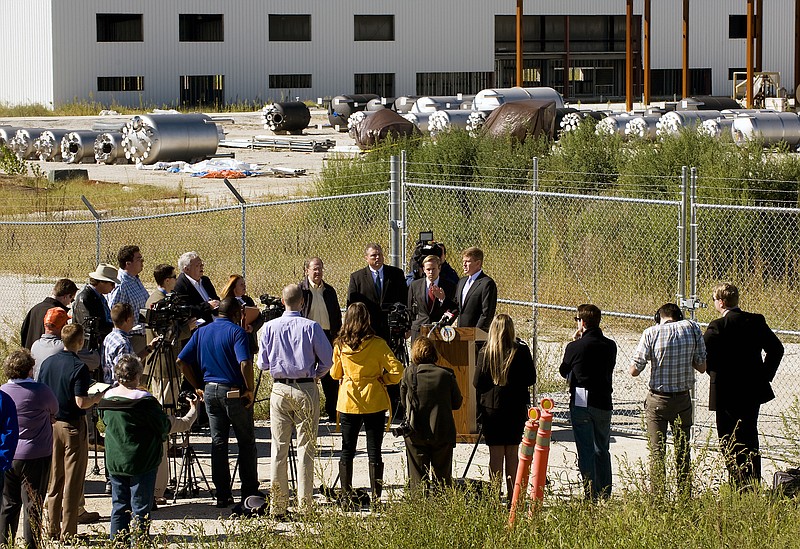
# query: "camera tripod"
398, 346
164, 380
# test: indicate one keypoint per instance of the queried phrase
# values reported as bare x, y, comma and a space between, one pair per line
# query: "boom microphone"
447, 318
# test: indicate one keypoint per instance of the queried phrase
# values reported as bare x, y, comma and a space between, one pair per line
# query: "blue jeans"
131, 498
591, 428
224, 413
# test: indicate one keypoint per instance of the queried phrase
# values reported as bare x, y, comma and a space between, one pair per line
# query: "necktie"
431, 297
378, 286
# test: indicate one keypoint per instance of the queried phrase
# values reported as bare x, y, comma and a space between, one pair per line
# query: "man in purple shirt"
296, 353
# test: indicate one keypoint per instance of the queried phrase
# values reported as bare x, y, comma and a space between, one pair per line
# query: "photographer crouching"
136, 428
430, 393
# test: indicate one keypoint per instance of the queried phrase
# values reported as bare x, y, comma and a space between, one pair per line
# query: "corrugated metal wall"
60, 52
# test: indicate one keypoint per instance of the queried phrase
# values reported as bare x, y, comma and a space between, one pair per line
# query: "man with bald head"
296, 353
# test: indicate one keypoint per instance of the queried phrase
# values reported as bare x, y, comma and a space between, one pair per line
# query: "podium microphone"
447, 318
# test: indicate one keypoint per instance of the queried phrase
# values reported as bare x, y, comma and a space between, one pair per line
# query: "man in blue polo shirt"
221, 351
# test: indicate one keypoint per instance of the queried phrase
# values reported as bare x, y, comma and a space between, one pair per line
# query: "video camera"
166, 315
399, 318
185, 399
273, 307
424, 247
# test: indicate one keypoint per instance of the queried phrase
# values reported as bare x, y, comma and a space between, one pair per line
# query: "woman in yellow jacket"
365, 365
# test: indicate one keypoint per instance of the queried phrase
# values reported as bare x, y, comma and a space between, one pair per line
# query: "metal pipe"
108, 148
170, 137
535, 255
519, 56
682, 235
646, 52
48, 145
23, 142
759, 32
395, 214
629, 55
78, 147
749, 53
693, 243
403, 176
685, 88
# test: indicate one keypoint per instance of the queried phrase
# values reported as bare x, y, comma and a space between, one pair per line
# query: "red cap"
56, 317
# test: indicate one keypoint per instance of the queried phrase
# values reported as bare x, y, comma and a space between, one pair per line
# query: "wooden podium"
460, 356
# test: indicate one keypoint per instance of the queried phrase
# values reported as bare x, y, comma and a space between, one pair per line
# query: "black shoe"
224, 503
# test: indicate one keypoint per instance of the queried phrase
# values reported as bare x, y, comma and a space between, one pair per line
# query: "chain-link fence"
549, 249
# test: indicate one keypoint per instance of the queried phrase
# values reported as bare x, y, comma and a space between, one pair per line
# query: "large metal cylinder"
155, 138
78, 147
379, 104
771, 127
292, 116
490, 99
612, 124
475, 122
7, 133
672, 122
343, 106
433, 103
108, 148
48, 145
355, 121
716, 127
442, 121
643, 127
404, 103
419, 119
23, 142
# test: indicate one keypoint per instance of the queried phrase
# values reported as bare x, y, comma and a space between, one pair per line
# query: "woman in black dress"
503, 379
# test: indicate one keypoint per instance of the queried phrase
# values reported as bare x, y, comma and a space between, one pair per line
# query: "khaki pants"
67, 475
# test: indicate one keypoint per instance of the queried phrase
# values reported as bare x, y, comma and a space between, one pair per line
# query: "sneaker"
88, 517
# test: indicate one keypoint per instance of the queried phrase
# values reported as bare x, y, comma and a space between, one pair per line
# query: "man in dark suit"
196, 289
430, 296
33, 326
740, 380
321, 304
377, 286
476, 292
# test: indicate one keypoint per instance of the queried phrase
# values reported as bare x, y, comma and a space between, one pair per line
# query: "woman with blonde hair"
236, 287
503, 379
365, 365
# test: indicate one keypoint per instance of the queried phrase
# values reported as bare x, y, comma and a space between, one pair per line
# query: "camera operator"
427, 246
430, 296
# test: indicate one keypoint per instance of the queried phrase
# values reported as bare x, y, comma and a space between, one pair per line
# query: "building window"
453, 83
120, 83
285, 81
289, 28
735, 69
201, 27
120, 27
369, 28
379, 83
669, 82
737, 26
197, 91
549, 33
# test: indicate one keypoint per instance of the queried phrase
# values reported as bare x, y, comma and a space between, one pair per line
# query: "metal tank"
614, 123
672, 122
419, 119
343, 106
23, 141
155, 138
404, 103
7, 133
490, 99
475, 122
379, 104
108, 148
355, 121
292, 117
433, 103
48, 145
716, 127
78, 147
643, 127
771, 127
442, 121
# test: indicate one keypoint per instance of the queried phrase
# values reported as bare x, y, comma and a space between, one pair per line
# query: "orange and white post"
541, 452
525, 459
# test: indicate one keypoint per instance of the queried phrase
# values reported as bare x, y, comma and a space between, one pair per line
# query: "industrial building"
156, 52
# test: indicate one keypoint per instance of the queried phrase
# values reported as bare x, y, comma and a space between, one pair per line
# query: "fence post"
682, 215
535, 259
395, 215
243, 208
693, 245
403, 176
96, 227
